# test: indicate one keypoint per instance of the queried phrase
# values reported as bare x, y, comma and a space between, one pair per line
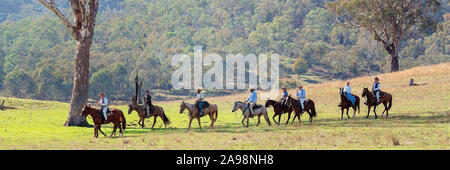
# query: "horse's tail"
123, 120
390, 103
164, 117
313, 109
217, 113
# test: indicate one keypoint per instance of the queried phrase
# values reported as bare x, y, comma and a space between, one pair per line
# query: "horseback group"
374, 98
287, 104
249, 107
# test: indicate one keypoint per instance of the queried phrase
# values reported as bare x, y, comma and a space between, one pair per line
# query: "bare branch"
51, 6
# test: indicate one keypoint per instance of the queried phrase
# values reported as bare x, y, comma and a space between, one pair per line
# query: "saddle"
257, 106
204, 106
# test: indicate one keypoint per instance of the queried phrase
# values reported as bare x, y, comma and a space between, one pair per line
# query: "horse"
346, 104
159, 112
262, 110
385, 98
279, 109
116, 118
309, 108
211, 110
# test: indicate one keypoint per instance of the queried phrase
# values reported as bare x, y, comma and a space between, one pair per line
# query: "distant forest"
36, 51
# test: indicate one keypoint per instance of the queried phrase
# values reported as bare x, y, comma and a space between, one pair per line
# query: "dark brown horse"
346, 104
279, 109
297, 107
385, 98
116, 118
142, 113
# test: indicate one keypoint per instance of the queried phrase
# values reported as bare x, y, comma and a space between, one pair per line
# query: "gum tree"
389, 21
82, 30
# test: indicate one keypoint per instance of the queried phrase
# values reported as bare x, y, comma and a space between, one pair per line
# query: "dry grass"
419, 119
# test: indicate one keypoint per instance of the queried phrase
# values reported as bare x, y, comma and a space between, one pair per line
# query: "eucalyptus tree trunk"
82, 30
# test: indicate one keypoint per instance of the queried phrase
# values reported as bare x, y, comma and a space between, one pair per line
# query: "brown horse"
116, 118
346, 104
385, 98
142, 113
159, 111
309, 108
211, 110
279, 109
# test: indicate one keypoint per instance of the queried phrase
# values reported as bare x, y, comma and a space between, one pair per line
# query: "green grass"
420, 119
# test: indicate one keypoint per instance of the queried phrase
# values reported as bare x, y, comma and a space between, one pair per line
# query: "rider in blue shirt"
284, 96
301, 94
251, 100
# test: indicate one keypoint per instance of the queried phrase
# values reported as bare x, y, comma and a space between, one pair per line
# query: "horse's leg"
368, 111
259, 120
114, 130
121, 129
273, 118
248, 119
190, 121
374, 111
243, 121
347, 113
295, 115
299, 119
96, 131
310, 116
211, 116
99, 128
289, 117
154, 120
354, 112
342, 113
199, 124
385, 107
387, 112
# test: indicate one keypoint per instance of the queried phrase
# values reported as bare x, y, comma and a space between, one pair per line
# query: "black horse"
279, 109
346, 104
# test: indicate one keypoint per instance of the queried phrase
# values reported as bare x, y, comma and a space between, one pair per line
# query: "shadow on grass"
401, 120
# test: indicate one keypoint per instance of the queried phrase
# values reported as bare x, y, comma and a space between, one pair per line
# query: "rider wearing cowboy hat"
103, 102
284, 96
251, 100
301, 95
376, 89
199, 101
149, 108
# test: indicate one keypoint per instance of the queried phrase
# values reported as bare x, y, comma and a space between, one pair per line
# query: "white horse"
262, 110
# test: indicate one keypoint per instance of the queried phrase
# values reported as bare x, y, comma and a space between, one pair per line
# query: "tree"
82, 30
101, 81
19, 84
300, 66
390, 21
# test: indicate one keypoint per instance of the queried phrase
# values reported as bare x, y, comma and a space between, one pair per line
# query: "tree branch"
51, 6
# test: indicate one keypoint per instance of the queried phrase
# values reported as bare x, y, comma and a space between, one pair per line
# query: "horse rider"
148, 103
348, 93
251, 100
284, 96
199, 101
301, 95
376, 89
103, 102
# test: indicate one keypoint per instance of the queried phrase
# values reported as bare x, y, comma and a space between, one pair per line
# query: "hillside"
36, 51
419, 119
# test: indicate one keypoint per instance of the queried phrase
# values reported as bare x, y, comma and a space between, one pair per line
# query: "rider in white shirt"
103, 102
376, 88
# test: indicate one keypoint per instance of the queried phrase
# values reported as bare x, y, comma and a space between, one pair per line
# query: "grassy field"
419, 119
